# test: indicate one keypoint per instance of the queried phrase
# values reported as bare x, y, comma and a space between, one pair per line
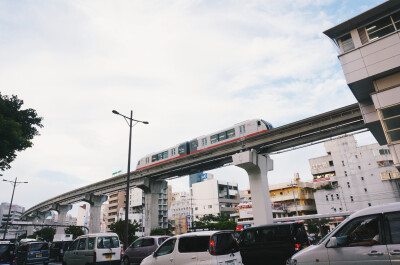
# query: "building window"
379, 28
359, 167
337, 196
362, 178
365, 189
391, 122
348, 184
369, 204
331, 197
351, 198
342, 163
326, 196
347, 42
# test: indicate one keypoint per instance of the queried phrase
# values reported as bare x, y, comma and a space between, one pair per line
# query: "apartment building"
352, 177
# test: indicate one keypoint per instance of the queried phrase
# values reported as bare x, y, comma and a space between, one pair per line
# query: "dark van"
274, 243
33, 252
7, 253
57, 249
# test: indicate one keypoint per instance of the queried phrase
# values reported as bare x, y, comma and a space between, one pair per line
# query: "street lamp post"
129, 170
9, 209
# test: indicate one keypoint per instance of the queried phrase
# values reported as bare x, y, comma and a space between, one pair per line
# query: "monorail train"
240, 130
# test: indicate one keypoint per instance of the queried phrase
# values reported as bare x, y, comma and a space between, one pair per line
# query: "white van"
369, 236
100, 248
208, 247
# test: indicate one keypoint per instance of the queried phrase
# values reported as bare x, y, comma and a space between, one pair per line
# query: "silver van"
369, 236
101, 248
208, 247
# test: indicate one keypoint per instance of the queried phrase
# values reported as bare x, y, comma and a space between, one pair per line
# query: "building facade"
369, 53
15, 215
352, 177
179, 213
116, 202
297, 196
213, 197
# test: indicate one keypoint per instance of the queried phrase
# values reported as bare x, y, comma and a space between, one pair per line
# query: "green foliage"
46, 233
119, 228
217, 222
158, 232
75, 231
17, 129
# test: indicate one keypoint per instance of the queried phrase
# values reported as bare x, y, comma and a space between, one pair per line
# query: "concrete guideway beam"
257, 167
62, 214
95, 202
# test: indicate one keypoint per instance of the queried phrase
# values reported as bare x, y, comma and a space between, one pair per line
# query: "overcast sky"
188, 67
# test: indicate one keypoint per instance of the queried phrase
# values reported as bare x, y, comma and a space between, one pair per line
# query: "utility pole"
9, 209
294, 198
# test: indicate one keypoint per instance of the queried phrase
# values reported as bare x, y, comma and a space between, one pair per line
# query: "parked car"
33, 252
207, 247
368, 236
7, 253
100, 248
141, 248
275, 243
57, 249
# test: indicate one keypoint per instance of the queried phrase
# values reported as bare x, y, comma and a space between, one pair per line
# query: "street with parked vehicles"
368, 236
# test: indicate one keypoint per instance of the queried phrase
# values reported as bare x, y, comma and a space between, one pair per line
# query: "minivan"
368, 236
100, 248
141, 248
275, 243
207, 247
33, 252
7, 253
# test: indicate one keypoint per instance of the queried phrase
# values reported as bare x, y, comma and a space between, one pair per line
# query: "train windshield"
269, 125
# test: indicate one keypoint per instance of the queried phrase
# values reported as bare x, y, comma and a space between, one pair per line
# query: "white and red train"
236, 132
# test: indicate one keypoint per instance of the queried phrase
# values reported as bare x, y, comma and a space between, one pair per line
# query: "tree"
75, 231
46, 233
17, 129
119, 228
158, 232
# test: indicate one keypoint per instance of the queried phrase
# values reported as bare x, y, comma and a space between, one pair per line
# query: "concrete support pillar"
155, 204
95, 202
62, 214
29, 228
257, 167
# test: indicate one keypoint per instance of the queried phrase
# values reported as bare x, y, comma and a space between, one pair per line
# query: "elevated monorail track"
329, 124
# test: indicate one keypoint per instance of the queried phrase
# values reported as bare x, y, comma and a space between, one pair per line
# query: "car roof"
390, 207
202, 233
99, 234
269, 225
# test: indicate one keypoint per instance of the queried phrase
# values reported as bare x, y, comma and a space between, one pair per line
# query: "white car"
208, 248
100, 248
369, 236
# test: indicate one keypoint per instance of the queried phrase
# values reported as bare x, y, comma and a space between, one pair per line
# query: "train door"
193, 145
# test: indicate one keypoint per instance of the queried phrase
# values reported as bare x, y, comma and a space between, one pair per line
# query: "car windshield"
161, 239
39, 246
331, 232
107, 242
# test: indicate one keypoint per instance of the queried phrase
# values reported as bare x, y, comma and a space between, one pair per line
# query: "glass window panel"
394, 136
391, 112
230, 133
347, 42
393, 123
182, 149
166, 248
380, 28
154, 158
82, 244
148, 242
222, 136
91, 242
214, 138
194, 144
393, 221
396, 19
165, 154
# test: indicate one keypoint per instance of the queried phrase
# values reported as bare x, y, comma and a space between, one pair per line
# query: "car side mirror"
332, 243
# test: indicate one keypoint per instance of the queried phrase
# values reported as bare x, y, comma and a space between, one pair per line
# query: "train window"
204, 141
182, 149
147, 160
242, 129
194, 144
165, 154
222, 136
154, 158
160, 156
214, 138
230, 133
172, 151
